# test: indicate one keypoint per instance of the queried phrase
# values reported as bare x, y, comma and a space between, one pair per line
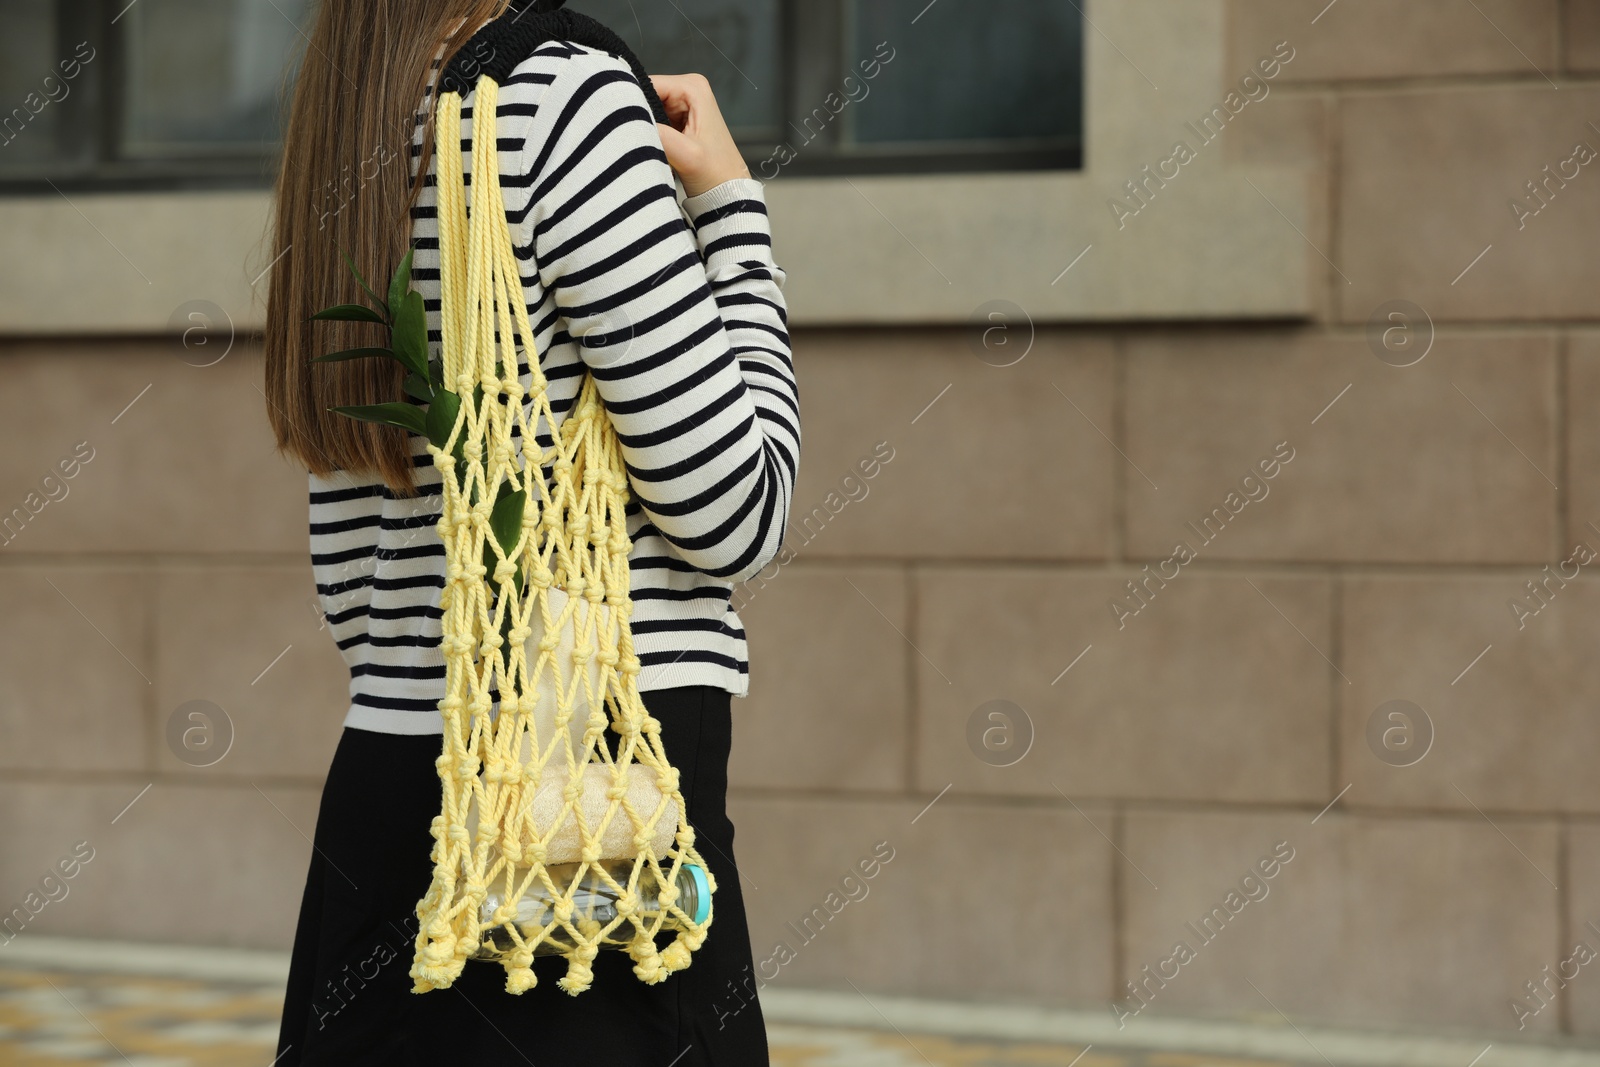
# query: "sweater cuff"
728, 192
730, 223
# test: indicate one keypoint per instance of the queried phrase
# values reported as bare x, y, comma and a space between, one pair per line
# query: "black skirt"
349, 1001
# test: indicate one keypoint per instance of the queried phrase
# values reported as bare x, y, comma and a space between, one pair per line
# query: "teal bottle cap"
702, 892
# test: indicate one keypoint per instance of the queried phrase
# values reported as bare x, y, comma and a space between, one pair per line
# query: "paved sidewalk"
49, 1018
81, 1001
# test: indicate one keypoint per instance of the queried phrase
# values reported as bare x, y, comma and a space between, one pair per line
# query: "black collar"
503, 43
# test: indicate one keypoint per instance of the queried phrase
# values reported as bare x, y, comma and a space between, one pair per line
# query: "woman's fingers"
684, 96
696, 139
681, 86
684, 154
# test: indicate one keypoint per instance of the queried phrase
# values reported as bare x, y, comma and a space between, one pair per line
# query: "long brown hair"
344, 184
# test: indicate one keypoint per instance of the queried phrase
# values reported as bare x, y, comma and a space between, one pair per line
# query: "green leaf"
350, 313
436, 372
405, 416
419, 388
505, 520
364, 286
410, 337
353, 353
400, 284
442, 417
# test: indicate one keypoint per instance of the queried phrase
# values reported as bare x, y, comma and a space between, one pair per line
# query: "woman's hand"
698, 144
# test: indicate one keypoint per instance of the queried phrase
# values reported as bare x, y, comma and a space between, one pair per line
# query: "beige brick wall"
1167, 751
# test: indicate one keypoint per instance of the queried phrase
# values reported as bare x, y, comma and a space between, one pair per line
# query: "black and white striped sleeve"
683, 328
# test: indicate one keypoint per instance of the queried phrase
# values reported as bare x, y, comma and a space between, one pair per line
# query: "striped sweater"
678, 313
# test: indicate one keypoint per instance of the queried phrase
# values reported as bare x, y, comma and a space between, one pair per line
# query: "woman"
679, 314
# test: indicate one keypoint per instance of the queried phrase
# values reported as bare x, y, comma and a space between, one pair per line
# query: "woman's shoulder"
565, 61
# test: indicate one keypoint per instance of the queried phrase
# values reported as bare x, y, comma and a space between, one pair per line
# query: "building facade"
1191, 605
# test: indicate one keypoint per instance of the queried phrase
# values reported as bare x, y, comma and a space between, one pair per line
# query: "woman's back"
683, 326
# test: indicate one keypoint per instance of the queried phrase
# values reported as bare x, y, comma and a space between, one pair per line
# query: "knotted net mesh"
532, 785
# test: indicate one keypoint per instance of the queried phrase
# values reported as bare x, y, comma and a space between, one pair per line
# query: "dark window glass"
144, 93
999, 70
735, 40
203, 77
35, 89
840, 86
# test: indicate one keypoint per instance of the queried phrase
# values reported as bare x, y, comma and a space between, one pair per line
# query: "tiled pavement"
57, 1018
49, 1018
79, 1001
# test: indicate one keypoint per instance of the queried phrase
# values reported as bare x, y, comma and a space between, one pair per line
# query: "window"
852, 86
108, 93
185, 93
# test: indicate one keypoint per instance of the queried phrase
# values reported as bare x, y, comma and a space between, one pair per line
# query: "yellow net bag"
533, 799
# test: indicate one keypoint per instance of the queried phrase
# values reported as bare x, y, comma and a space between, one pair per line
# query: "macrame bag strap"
530, 555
